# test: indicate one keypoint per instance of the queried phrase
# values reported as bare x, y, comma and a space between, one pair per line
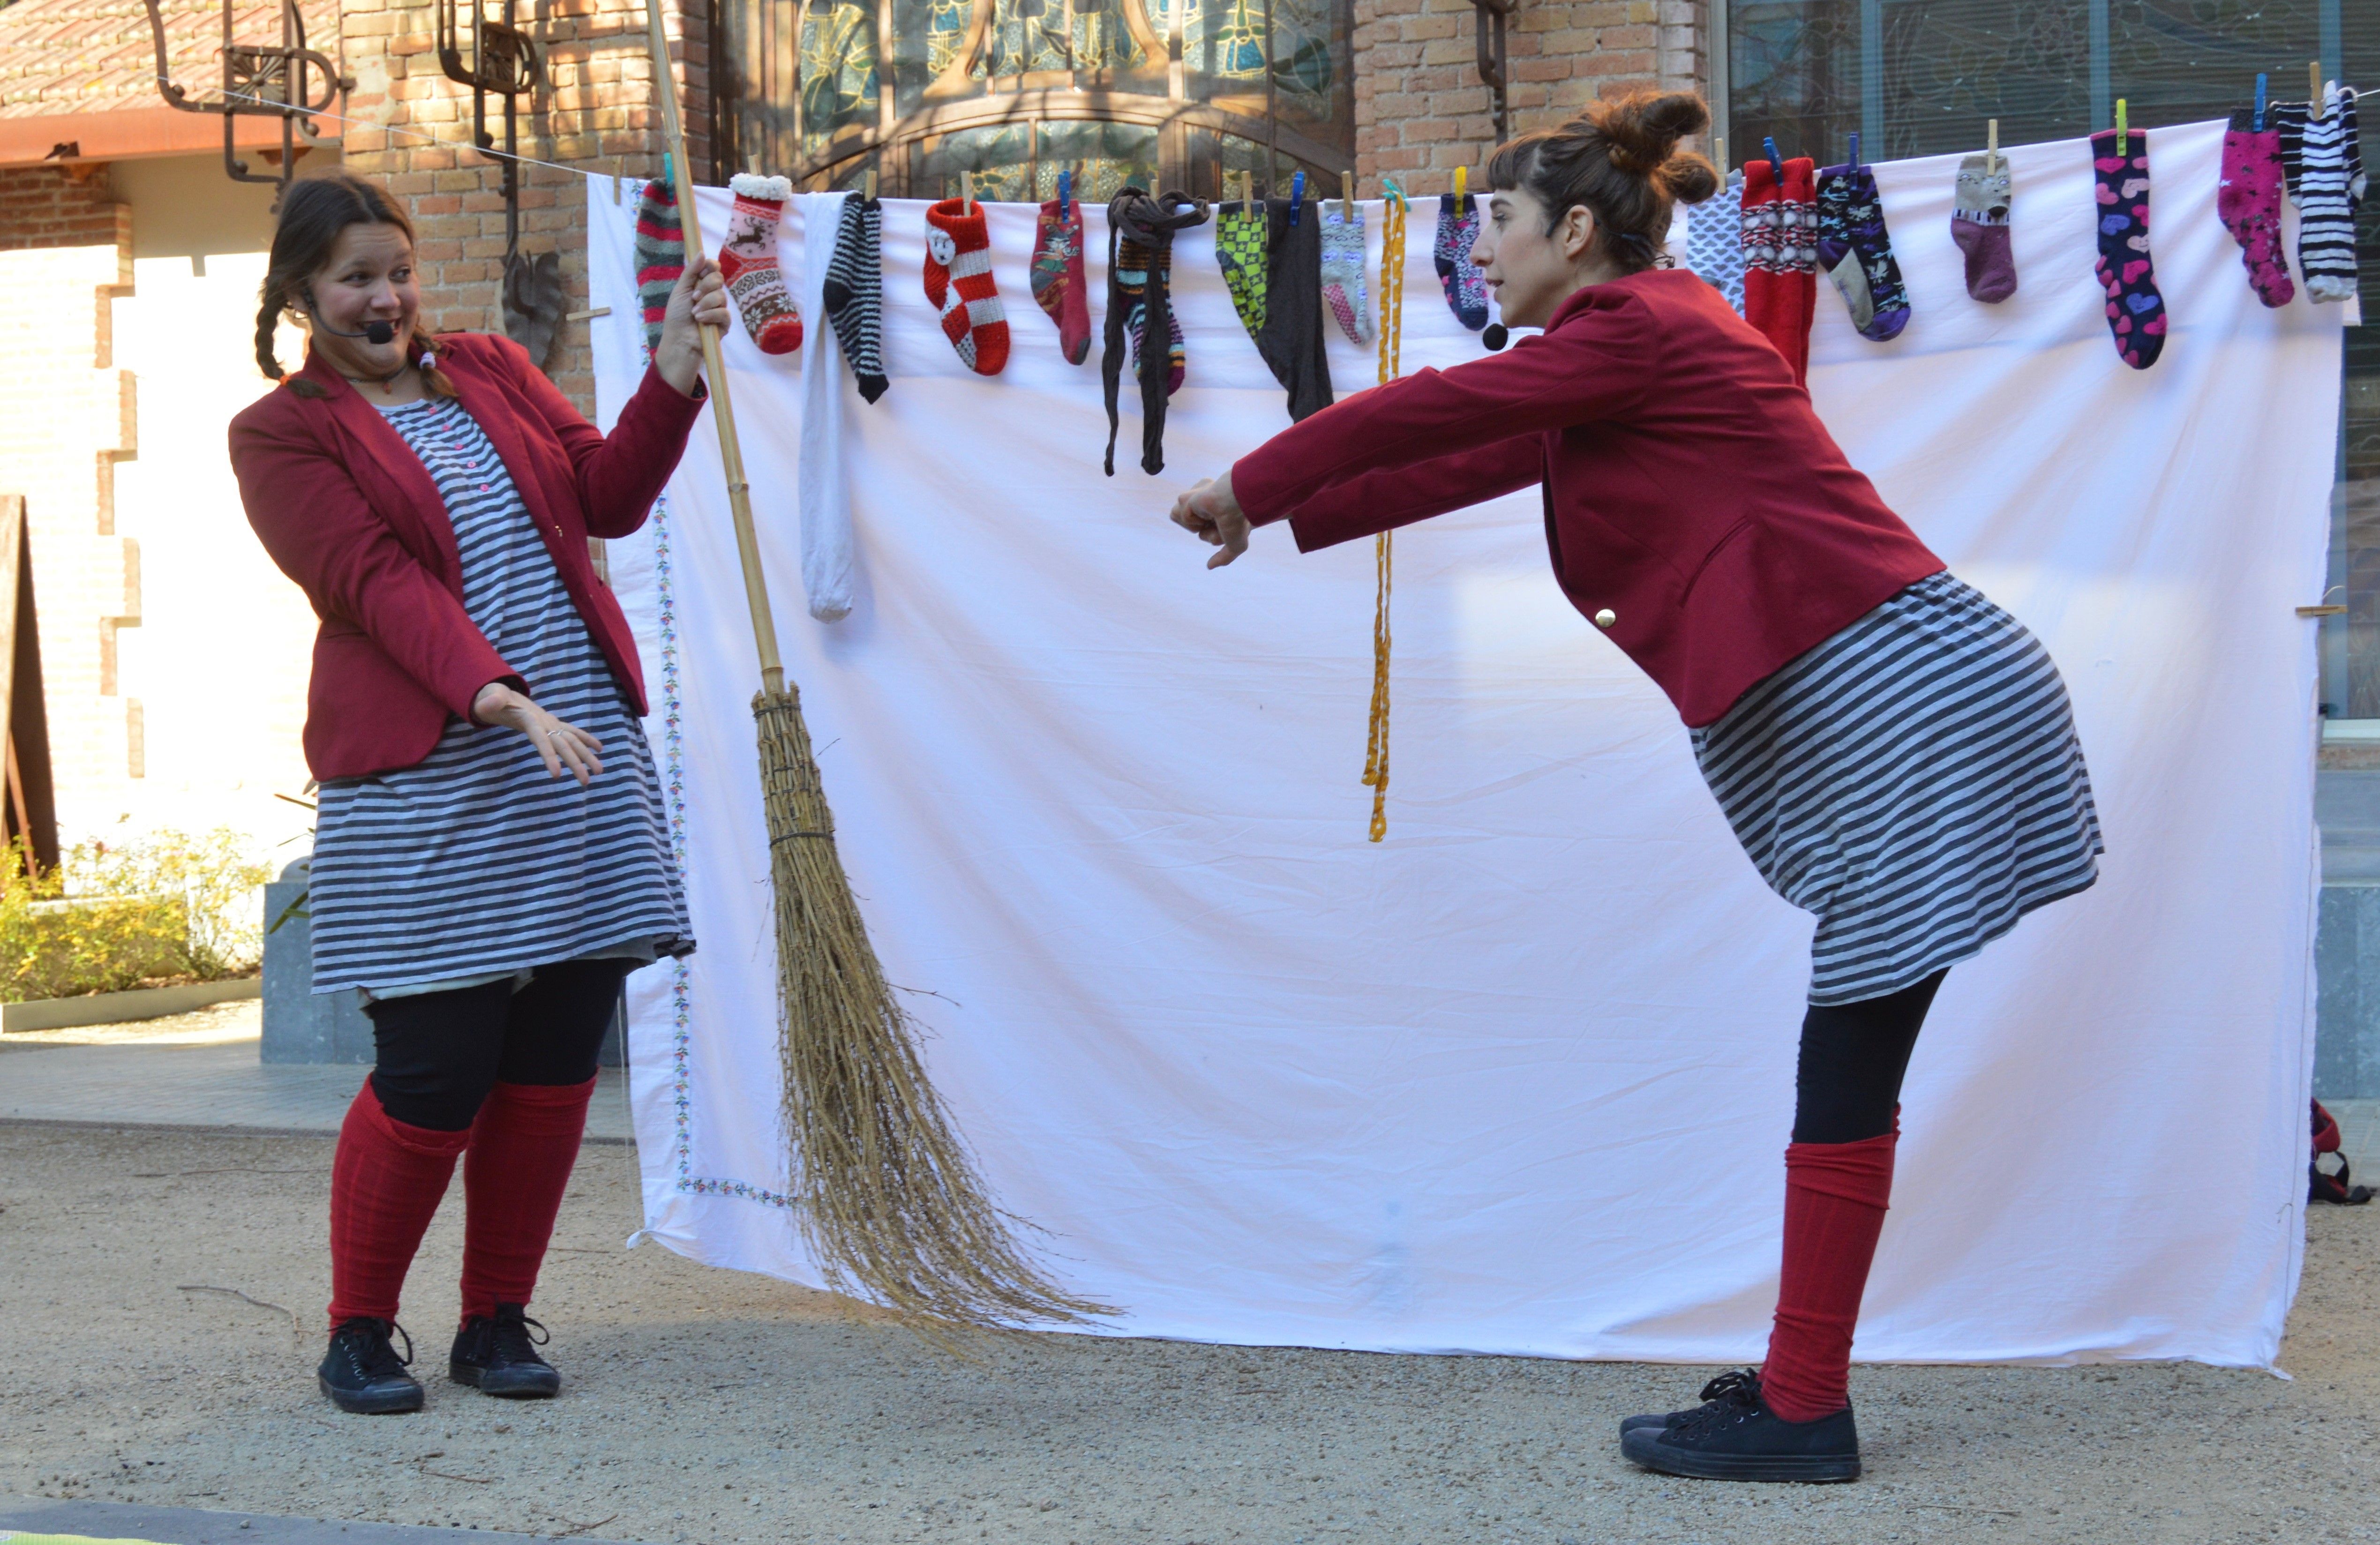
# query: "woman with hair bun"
491, 853
1895, 752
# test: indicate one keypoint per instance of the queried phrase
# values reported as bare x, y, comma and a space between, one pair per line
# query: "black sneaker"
1710, 1391
363, 1373
500, 1355
1734, 1436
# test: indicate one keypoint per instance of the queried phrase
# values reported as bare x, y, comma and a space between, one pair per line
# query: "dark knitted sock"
2135, 310
386, 1179
1140, 308
524, 1145
1458, 233
1856, 251
1292, 340
854, 292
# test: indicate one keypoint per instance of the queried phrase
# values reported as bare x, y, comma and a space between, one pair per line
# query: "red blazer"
348, 511
1696, 508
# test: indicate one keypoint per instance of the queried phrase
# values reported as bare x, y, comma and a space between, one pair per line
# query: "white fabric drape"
1517, 1079
825, 470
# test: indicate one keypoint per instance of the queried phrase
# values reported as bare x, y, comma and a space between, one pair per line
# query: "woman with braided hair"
1896, 753
491, 853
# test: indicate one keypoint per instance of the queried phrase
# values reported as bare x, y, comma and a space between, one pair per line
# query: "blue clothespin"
1389, 190
1855, 149
2260, 103
669, 174
1776, 161
1296, 194
1065, 187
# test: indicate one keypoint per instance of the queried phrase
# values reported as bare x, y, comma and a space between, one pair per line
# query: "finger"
1225, 556
546, 754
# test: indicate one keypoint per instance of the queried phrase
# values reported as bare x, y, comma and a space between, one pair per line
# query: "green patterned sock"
1241, 234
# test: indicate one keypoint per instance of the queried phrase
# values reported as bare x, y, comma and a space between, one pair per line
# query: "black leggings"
1852, 1059
441, 1052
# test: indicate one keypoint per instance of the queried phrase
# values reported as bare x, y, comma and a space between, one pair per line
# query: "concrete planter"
111, 1008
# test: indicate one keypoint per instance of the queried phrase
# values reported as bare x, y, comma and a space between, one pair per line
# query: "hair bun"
1644, 127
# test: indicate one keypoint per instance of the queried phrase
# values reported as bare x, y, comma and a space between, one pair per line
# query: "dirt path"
715, 1406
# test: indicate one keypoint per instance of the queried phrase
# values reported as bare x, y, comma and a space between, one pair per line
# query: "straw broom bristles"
892, 1207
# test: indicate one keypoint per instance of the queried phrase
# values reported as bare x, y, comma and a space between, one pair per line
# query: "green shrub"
167, 908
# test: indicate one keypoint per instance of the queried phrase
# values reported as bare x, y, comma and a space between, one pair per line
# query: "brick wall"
40, 206
1421, 110
595, 110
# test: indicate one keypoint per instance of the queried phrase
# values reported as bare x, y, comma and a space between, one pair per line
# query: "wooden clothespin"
1719, 154
867, 185
1991, 147
1347, 196
967, 192
2260, 80
2314, 88
619, 170
752, 164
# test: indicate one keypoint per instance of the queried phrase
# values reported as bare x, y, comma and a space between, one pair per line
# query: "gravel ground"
713, 1406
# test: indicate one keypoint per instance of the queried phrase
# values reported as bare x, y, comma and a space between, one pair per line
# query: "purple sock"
2135, 310
1979, 223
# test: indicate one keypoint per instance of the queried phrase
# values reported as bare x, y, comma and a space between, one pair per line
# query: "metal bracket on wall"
1490, 14
505, 63
260, 80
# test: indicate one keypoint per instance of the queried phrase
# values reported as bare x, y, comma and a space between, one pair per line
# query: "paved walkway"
192, 1526
201, 1070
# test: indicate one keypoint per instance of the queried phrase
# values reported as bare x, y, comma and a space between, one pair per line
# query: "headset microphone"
373, 332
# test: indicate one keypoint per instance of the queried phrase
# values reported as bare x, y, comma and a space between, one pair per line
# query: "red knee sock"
385, 1182
1781, 256
522, 1150
1834, 1199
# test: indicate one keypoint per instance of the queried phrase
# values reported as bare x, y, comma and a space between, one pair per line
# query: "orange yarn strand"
1392, 318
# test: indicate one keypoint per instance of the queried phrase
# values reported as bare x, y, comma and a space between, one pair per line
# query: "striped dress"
1914, 781
473, 864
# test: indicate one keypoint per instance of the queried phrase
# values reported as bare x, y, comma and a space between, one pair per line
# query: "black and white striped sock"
854, 292
2325, 177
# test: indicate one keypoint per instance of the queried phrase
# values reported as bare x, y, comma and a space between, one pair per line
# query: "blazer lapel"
410, 494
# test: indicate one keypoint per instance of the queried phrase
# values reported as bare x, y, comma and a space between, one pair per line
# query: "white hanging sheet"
1516, 1080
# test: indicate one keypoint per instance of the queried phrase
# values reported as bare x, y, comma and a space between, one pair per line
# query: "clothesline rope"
1393, 317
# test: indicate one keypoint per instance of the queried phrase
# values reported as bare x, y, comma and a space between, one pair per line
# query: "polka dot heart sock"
748, 261
2135, 310
958, 281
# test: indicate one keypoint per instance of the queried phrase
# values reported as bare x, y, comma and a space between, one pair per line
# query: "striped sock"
660, 256
748, 261
958, 281
2326, 175
854, 292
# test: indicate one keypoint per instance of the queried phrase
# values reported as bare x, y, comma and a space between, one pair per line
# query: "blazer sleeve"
1595, 365
1382, 501
620, 474
318, 527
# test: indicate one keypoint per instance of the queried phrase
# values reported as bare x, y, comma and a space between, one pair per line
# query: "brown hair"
1620, 159
313, 212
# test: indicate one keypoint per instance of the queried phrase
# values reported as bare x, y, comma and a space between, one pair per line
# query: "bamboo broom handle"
723, 411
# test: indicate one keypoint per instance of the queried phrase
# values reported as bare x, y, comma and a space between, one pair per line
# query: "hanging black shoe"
363, 1373
499, 1354
1734, 1436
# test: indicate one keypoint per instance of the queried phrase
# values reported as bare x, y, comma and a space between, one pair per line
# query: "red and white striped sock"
958, 280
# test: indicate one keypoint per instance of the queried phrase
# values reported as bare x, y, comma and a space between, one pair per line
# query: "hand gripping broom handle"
723, 411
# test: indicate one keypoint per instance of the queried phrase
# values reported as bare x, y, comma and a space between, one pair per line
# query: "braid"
421, 346
268, 321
